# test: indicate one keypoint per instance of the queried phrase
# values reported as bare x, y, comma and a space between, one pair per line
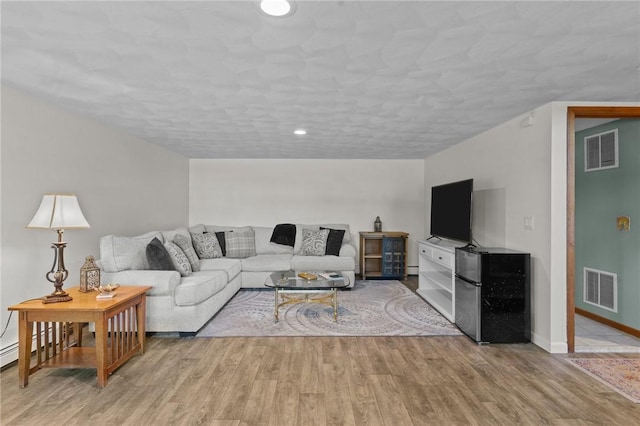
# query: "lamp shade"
59, 211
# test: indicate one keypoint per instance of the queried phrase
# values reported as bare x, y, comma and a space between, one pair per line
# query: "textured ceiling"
381, 79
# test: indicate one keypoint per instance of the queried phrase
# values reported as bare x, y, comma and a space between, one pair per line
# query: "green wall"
601, 196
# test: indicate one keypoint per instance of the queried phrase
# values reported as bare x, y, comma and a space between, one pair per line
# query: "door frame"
574, 112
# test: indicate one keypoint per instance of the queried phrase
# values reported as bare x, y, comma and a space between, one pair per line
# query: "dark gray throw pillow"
334, 241
222, 242
158, 257
284, 234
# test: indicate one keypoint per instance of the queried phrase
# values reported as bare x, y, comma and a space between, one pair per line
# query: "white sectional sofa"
184, 302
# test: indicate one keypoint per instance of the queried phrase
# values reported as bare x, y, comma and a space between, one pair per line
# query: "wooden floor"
321, 381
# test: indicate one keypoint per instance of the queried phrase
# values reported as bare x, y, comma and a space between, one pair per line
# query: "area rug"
621, 375
370, 308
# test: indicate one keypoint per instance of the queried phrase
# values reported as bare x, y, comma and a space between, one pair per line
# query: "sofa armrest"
347, 250
163, 282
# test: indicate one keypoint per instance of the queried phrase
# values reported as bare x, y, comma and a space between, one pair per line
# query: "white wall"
511, 167
521, 171
125, 186
268, 192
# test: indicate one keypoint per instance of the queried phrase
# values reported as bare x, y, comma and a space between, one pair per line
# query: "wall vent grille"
601, 289
601, 151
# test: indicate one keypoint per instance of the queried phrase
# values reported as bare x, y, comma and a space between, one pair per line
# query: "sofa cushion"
240, 244
334, 241
264, 244
158, 257
322, 263
199, 287
220, 228
163, 283
178, 258
125, 253
232, 267
170, 235
267, 262
314, 242
206, 245
187, 247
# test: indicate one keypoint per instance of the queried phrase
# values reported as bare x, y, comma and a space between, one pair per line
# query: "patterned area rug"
621, 375
371, 308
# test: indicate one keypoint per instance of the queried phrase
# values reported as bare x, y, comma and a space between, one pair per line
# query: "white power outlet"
529, 223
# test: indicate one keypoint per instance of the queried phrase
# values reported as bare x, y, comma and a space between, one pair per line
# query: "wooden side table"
119, 331
383, 255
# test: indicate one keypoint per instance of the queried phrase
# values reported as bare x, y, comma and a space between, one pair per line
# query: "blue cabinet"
383, 255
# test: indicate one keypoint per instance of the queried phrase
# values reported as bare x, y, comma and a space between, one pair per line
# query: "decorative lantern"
89, 275
377, 225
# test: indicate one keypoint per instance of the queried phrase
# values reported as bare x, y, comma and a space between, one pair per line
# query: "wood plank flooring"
321, 381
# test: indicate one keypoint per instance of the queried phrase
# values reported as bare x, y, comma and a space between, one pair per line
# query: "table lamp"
58, 212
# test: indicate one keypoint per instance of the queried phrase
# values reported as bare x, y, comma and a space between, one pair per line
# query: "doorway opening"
574, 113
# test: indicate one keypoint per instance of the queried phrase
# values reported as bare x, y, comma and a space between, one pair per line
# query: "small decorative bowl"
102, 289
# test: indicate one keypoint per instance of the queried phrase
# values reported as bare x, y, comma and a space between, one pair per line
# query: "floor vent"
601, 151
601, 289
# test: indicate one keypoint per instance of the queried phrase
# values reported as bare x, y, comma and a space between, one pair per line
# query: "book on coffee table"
308, 276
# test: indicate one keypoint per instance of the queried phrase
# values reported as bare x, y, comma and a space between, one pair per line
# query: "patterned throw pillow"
179, 259
206, 245
186, 246
314, 243
240, 244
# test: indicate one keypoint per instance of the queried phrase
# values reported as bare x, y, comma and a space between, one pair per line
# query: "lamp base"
55, 298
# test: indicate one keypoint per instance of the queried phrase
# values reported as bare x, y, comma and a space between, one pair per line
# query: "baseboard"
549, 346
9, 354
606, 321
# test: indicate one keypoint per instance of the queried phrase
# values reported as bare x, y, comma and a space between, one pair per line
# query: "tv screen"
451, 210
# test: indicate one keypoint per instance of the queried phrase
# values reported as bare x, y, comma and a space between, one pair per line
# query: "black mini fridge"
492, 294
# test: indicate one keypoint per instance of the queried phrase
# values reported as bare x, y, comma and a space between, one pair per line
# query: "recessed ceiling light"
277, 8
300, 132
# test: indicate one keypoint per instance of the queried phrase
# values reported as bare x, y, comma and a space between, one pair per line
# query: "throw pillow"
240, 244
158, 257
334, 241
222, 242
284, 234
179, 259
314, 243
185, 244
206, 246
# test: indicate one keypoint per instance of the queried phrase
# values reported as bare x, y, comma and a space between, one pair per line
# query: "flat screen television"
451, 210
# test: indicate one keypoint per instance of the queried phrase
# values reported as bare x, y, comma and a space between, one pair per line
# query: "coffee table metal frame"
289, 288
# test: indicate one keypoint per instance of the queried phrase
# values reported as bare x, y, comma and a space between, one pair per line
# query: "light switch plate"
529, 224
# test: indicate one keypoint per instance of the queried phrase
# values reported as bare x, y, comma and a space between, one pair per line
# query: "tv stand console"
436, 275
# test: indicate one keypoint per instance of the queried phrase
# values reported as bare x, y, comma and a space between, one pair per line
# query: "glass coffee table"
306, 286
